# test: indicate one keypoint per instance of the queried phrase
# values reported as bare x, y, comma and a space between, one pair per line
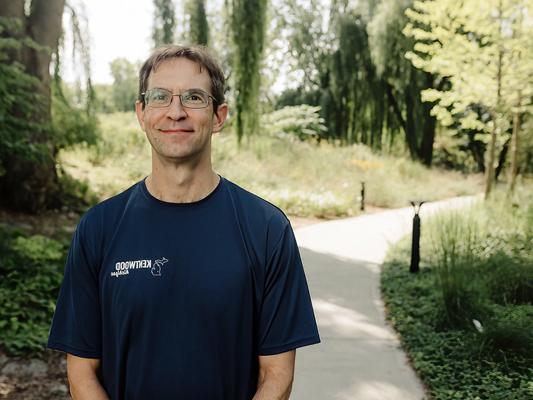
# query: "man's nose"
176, 109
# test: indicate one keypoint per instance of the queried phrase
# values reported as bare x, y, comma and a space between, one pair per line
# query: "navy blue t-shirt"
179, 299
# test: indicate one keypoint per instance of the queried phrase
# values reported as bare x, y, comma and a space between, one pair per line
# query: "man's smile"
176, 130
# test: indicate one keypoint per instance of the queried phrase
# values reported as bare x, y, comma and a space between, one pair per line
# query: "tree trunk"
410, 127
32, 185
428, 136
489, 169
429, 124
501, 160
513, 170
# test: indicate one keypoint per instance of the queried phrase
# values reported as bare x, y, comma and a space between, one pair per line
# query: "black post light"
362, 208
415, 248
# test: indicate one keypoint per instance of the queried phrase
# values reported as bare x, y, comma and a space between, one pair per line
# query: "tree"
198, 31
125, 83
402, 81
31, 183
164, 22
482, 47
248, 22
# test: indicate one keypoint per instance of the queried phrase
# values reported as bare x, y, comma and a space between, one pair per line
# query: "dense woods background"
444, 83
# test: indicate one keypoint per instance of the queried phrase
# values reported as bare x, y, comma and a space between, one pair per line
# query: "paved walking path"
360, 356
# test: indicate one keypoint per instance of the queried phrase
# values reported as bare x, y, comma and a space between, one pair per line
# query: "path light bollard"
415, 248
362, 196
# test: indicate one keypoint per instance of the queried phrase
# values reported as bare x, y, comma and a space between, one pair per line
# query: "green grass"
476, 264
302, 178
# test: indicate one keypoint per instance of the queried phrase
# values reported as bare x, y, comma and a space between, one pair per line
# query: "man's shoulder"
256, 208
109, 208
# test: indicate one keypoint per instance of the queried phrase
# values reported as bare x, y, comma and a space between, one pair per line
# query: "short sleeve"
287, 320
76, 325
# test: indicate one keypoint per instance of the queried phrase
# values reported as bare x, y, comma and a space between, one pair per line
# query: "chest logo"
123, 268
156, 269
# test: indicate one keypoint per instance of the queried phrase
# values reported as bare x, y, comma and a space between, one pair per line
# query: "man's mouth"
176, 130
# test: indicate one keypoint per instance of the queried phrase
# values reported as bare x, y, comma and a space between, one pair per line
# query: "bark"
513, 170
32, 185
501, 160
410, 127
12, 8
489, 175
428, 129
477, 149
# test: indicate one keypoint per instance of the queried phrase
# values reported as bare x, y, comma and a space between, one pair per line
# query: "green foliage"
303, 122
103, 94
475, 266
197, 21
482, 48
462, 298
510, 329
18, 90
71, 124
125, 84
248, 24
32, 269
466, 44
164, 22
76, 193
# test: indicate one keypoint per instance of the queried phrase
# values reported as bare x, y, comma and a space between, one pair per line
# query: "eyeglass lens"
193, 98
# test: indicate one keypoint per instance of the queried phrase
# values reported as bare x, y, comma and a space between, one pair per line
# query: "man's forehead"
178, 67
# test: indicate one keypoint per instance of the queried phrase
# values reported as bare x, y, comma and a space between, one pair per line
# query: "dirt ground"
42, 378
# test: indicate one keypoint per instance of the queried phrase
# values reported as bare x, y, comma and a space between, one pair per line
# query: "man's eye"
159, 96
194, 97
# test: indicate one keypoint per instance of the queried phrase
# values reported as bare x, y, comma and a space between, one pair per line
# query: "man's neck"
181, 183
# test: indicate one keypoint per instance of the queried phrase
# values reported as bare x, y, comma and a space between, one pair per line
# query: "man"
185, 286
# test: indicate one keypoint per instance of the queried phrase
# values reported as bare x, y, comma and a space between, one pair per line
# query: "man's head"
181, 103
199, 55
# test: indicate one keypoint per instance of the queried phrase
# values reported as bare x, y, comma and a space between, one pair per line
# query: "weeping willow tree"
401, 80
333, 57
357, 95
164, 22
248, 22
198, 27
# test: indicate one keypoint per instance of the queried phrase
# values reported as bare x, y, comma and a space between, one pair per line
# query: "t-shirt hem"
73, 350
289, 346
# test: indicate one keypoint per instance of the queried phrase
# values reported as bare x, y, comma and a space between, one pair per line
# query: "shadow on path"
358, 357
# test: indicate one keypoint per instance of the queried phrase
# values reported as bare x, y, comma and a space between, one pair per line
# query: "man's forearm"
88, 389
82, 374
273, 387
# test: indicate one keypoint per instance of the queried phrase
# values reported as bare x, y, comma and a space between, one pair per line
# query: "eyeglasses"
193, 98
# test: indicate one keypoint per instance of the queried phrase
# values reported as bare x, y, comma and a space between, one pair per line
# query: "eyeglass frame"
143, 94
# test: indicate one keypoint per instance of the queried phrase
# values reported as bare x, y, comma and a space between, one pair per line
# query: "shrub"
32, 269
303, 122
510, 329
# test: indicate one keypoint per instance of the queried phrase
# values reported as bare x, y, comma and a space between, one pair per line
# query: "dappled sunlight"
346, 321
373, 390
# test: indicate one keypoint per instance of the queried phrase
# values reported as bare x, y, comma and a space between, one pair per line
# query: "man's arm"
276, 373
83, 379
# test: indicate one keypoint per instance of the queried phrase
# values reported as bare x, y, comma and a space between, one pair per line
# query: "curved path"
360, 356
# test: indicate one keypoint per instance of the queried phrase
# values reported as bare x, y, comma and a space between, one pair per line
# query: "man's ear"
220, 117
140, 113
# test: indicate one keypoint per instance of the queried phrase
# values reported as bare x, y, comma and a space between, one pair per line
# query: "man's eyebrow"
185, 90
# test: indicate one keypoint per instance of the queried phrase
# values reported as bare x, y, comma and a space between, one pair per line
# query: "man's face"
176, 132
